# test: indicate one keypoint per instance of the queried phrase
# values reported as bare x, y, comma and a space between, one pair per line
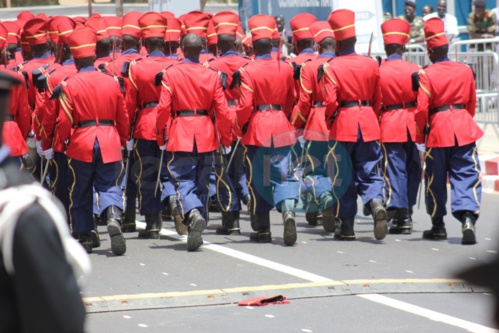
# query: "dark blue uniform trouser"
362, 176
462, 166
270, 177
237, 171
402, 174
145, 171
58, 174
190, 174
130, 186
227, 196
105, 177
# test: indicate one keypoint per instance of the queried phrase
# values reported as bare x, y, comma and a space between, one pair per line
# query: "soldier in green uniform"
481, 24
416, 22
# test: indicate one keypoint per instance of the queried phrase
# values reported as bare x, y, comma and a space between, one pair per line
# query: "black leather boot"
247, 202
263, 234
328, 219
128, 224
153, 227
230, 224
95, 234
468, 229
196, 227
402, 223
289, 235
118, 244
380, 218
85, 239
311, 218
180, 227
347, 232
437, 231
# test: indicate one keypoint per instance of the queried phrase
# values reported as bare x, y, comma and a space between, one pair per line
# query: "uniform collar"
42, 56
327, 55
130, 51
441, 60
394, 56
274, 49
87, 69
68, 62
229, 53
172, 56
191, 60
263, 56
307, 51
156, 53
346, 52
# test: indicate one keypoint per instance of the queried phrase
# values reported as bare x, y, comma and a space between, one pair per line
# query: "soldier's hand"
226, 150
49, 153
39, 148
129, 145
163, 147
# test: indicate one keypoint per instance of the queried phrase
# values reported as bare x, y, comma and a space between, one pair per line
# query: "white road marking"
143, 325
127, 317
306, 330
432, 315
269, 316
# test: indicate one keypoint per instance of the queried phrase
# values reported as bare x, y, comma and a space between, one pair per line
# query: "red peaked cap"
14, 31
113, 25
52, 30
82, 42
211, 34
300, 26
65, 28
173, 30
152, 24
342, 21
24, 17
226, 22
275, 34
168, 14
96, 15
130, 24
321, 30
396, 31
42, 16
3, 36
80, 19
24, 42
196, 22
434, 33
99, 26
35, 31
262, 26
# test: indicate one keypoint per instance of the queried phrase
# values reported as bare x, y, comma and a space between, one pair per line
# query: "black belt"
318, 104
447, 107
186, 113
231, 102
347, 104
149, 105
9, 117
88, 123
400, 106
267, 107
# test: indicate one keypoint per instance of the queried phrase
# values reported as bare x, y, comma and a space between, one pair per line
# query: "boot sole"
195, 238
380, 224
118, 244
180, 227
290, 235
469, 237
95, 238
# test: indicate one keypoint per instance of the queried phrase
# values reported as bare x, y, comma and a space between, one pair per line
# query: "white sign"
368, 19
177, 7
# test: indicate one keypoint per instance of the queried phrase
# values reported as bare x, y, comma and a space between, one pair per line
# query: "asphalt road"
400, 284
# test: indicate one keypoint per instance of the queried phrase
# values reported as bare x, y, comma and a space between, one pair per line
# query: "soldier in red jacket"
266, 102
353, 101
192, 118
446, 106
401, 163
233, 189
95, 123
197, 22
103, 48
310, 119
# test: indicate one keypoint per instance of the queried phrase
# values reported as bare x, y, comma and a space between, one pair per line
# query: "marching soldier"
191, 95
446, 106
172, 38
13, 36
94, 111
352, 103
309, 117
401, 163
197, 22
266, 102
232, 189
103, 48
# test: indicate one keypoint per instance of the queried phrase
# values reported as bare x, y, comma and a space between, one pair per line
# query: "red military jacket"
50, 136
17, 126
447, 83
397, 90
305, 56
205, 56
191, 86
266, 82
103, 61
29, 67
91, 95
114, 67
311, 93
142, 95
353, 79
229, 63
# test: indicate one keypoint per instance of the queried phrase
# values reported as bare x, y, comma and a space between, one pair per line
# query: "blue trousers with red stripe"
402, 174
105, 177
462, 166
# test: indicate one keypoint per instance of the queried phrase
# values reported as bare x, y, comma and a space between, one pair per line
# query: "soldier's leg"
436, 160
169, 196
414, 175
59, 179
466, 189
131, 196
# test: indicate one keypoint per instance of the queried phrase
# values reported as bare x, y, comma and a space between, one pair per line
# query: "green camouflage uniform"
482, 26
417, 25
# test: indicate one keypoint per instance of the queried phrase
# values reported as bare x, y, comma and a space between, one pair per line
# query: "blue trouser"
315, 178
191, 177
402, 174
58, 174
226, 194
237, 171
130, 186
105, 177
463, 168
145, 173
270, 177
362, 176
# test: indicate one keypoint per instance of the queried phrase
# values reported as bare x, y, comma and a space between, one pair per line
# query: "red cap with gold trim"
24, 17
152, 24
113, 24
173, 30
80, 19
24, 43
98, 25
3, 36
434, 32
196, 22
396, 31
65, 28
36, 31
82, 42
226, 22
130, 24
168, 14
211, 34
14, 32
300, 26
342, 21
321, 30
262, 26
52, 30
